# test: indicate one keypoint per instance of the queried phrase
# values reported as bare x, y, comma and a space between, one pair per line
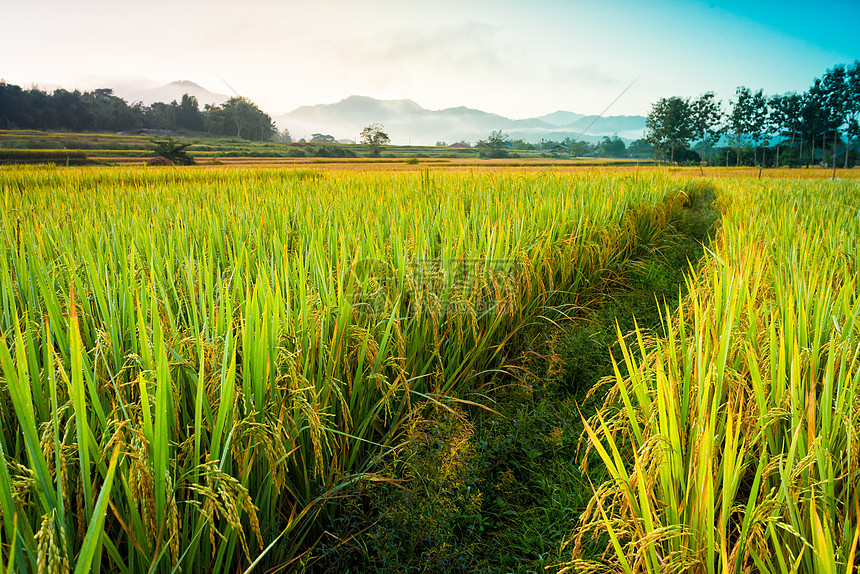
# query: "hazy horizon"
511, 59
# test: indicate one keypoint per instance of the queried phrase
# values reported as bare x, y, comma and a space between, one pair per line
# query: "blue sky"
519, 59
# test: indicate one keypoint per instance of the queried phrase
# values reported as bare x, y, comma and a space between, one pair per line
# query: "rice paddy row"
732, 444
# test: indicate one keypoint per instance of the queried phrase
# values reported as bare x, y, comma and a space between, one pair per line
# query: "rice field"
196, 362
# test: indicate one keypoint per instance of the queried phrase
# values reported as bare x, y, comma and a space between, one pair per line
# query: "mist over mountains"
168, 93
407, 122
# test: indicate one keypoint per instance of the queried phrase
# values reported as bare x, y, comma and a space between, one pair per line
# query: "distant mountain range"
170, 92
407, 122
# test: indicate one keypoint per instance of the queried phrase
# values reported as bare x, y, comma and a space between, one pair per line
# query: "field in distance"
135, 149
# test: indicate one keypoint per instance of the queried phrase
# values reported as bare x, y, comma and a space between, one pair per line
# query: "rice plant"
193, 363
732, 443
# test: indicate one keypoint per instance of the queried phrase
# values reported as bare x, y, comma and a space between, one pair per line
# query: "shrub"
174, 151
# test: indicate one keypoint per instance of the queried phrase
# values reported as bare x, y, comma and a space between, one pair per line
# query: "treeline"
607, 147
499, 145
100, 110
819, 126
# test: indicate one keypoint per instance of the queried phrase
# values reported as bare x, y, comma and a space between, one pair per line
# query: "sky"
518, 59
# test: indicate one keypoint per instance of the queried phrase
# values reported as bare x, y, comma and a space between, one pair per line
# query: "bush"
687, 156
173, 151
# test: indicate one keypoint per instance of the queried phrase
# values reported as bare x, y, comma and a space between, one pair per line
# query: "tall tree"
161, 116
778, 122
747, 119
835, 96
813, 117
787, 109
612, 147
757, 121
188, 114
669, 126
706, 115
853, 105
738, 119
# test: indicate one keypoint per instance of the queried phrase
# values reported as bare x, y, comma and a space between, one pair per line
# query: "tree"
757, 121
669, 126
739, 118
612, 147
579, 149
813, 117
161, 116
374, 137
240, 116
836, 94
784, 121
322, 138
853, 105
640, 149
495, 146
284, 137
188, 115
705, 118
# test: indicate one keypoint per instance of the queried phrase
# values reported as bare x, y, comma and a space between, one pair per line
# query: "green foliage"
686, 156
322, 138
668, 126
611, 147
173, 150
640, 149
188, 116
374, 137
580, 149
242, 118
748, 117
495, 146
284, 137
329, 151
705, 121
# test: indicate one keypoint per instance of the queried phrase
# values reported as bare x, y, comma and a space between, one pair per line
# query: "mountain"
561, 118
408, 122
169, 92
